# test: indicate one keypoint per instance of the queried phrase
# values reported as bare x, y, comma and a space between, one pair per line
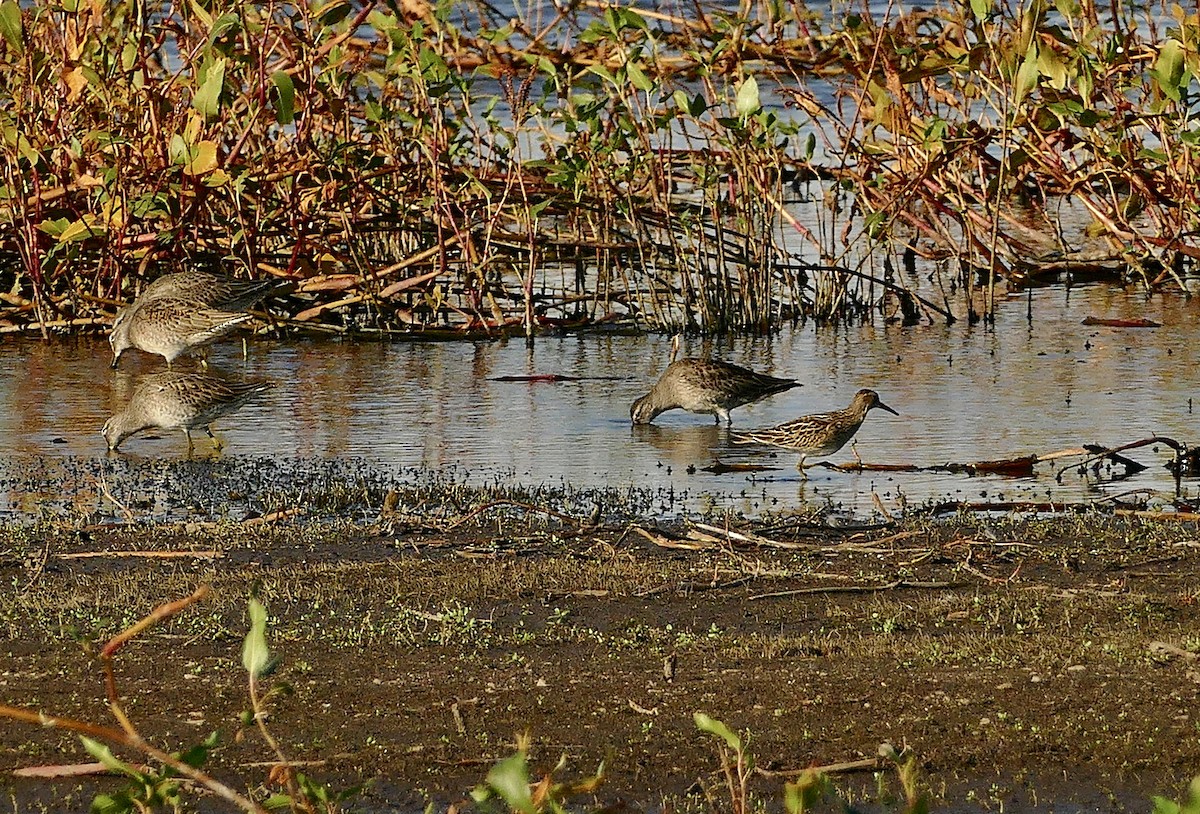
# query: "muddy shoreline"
1022, 661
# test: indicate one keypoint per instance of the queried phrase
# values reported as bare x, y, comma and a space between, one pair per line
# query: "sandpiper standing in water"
817, 435
186, 310
174, 400
705, 386
170, 327
213, 290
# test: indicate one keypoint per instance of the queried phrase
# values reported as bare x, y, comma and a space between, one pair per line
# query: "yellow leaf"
204, 159
81, 229
75, 82
191, 130
113, 212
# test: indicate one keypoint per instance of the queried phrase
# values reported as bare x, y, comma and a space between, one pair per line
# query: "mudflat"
1018, 659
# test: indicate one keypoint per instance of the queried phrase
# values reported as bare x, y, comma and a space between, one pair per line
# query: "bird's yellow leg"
216, 441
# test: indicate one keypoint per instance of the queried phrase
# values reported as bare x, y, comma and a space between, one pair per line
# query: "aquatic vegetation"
428, 167
509, 782
1190, 805
162, 785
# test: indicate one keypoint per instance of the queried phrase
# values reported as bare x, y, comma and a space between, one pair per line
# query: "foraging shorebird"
169, 327
705, 386
180, 312
817, 435
213, 290
174, 400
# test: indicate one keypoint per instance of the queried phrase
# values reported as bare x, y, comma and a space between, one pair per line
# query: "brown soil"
1017, 660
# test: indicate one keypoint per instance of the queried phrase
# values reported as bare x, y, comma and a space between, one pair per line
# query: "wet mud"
421, 628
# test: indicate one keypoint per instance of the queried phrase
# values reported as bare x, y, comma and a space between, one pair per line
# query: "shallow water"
964, 394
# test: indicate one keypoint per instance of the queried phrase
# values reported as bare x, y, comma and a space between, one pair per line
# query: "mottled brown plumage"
213, 290
170, 327
174, 400
817, 435
705, 386
180, 312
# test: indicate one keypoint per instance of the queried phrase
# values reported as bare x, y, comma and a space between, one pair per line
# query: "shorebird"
174, 400
817, 435
182, 311
213, 290
169, 327
705, 386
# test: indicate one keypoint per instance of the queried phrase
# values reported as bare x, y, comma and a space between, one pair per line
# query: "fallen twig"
158, 555
1174, 651
857, 589
867, 763
1099, 453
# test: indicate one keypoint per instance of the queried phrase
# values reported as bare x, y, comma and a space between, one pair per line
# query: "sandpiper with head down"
817, 435
184, 401
705, 386
213, 290
181, 312
170, 327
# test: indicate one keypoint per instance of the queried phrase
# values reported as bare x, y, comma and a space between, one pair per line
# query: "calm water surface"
964, 394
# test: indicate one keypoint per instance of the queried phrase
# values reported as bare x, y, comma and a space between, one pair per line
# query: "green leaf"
805, 793
638, 77
1053, 68
1168, 69
1027, 74
278, 801
207, 100
1191, 805
10, 25
102, 753
55, 227
256, 656
747, 98
982, 9
198, 754
706, 723
333, 13
177, 150
510, 779
81, 229
222, 25
285, 104
602, 72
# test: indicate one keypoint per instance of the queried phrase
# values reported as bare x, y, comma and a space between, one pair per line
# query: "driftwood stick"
83, 322
667, 542
865, 764
1107, 452
153, 555
856, 589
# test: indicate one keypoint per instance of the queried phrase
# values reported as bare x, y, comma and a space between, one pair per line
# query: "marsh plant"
162, 784
425, 166
811, 786
509, 785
